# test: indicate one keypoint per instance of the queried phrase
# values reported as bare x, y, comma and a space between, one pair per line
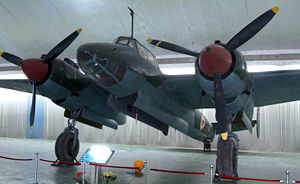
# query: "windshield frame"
140, 48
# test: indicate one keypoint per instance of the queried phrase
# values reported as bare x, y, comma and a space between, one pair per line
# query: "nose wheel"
67, 143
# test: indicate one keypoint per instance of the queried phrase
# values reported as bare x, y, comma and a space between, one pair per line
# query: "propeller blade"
59, 48
258, 123
11, 58
172, 47
220, 103
32, 110
251, 29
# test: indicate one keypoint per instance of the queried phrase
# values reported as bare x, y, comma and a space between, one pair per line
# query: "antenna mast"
132, 16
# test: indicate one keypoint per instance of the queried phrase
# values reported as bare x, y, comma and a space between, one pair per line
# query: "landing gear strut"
67, 143
207, 145
227, 155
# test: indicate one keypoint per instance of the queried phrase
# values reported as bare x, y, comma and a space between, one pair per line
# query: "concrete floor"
251, 164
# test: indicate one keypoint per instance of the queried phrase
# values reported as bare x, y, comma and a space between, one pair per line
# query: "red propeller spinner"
35, 69
214, 58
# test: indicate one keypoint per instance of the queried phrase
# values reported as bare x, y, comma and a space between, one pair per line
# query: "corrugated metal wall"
280, 125
13, 113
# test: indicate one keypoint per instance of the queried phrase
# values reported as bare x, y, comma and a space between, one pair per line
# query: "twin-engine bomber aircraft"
123, 78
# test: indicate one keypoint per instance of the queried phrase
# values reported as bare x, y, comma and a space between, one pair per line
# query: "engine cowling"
69, 88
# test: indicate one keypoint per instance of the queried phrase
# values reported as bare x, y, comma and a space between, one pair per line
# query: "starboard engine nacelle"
235, 79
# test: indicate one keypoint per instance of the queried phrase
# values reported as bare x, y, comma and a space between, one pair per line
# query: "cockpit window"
133, 43
126, 41
142, 51
145, 53
123, 41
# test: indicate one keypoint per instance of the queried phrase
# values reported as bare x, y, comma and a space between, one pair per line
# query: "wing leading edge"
16, 84
276, 87
185, 90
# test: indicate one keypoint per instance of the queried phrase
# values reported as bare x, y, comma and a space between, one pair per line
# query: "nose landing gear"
67, 143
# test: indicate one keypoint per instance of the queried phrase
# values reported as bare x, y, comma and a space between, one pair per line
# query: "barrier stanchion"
83, 170
146, 171
96, 178
211, 173
100, 171
36, 167
287, 176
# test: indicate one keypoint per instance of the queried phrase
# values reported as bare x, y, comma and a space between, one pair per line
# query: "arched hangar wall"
280, 125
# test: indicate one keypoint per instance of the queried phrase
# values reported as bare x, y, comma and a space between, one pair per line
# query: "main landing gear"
207, 145
227, 156
67, 143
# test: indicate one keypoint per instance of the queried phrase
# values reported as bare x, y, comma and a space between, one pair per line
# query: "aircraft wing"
276, 87
16, 84
185, 89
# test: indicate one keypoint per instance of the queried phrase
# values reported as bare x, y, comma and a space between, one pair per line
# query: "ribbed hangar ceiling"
32, 27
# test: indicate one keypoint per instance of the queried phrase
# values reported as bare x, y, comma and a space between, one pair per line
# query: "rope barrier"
249, 179
112, 166
17, 159
59, 162
158, 170
178, 172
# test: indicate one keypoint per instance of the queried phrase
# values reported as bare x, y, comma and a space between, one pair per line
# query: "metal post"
83, 169
96, 175
287, 174
211, 173
100, 171
36, 167
146, 171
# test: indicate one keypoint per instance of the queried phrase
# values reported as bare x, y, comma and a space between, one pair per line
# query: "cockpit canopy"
133, 43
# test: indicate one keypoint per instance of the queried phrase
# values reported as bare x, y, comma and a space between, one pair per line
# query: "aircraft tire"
227, 153
63, 147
